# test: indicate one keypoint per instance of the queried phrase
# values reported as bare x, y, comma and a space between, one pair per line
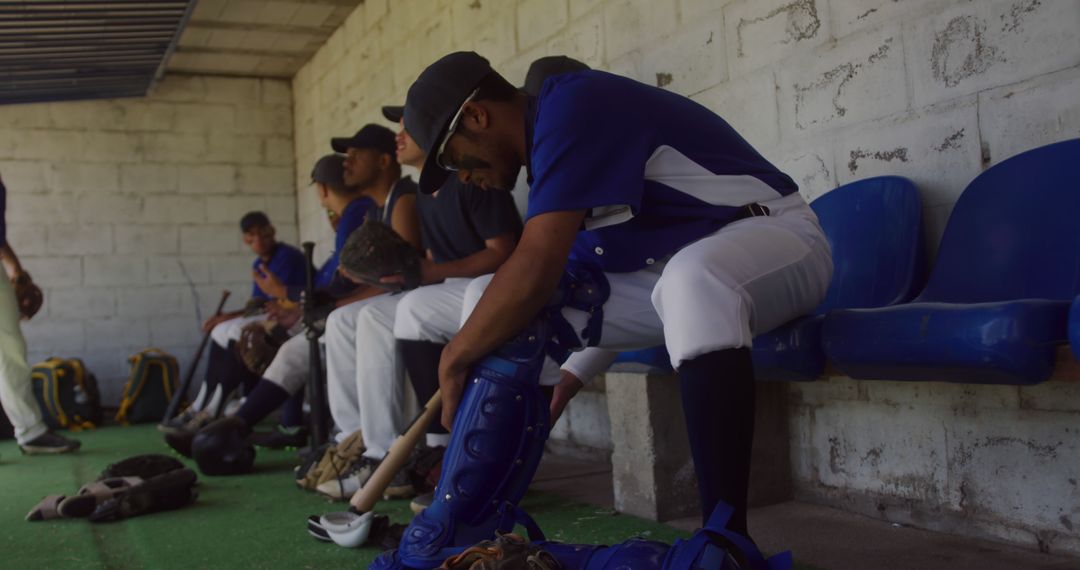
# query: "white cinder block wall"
126, 212
832, 91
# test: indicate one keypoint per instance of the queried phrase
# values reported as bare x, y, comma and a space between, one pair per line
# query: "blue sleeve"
352, 218
256, 292
589, 147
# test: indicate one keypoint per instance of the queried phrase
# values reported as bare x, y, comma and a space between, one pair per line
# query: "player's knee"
474, 291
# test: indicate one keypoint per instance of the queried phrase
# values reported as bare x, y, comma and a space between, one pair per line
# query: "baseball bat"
170, 412
316, 389
396, 457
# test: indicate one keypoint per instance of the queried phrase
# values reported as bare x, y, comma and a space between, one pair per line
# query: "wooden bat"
365, 499
186, 384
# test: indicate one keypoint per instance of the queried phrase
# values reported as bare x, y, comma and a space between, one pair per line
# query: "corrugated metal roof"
55, 50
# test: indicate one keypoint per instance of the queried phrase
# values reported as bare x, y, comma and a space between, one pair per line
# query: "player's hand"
269, 283
397, 281
285, 315
451, 383
213, 321
568, 387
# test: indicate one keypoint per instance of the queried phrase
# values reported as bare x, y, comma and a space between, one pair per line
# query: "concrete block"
937, 148
231, 268
209, 239
275, 120
282, 210
54, 271
279, 151
634, 24
170, 270
175, 331
538, 20
486, 27
691, 60
174, 209
82, 177
288, 233
266, 180
109, 208
236, 149
37, 144
53, 336
42, 208
858, 78
154, 301
1051, 396
21, 177
651, 467
588, 422
82, 303
761, 32
579, 8
1016, 118
147, 239
974, 46
93, 115
168, 147
148, 178
33, 116
240, 91
277, 91
199, 118
207, 179
582, 40
629, 65
690, 10
180, 88
27, 239
114, 270
111, 147
848, 17
80, 239
813, 169
113, 333
229, 209
749, 104
145, 115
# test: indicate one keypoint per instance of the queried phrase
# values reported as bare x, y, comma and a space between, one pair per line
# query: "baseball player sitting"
369, 174
223, 372
21, 299
701, 241
465, 233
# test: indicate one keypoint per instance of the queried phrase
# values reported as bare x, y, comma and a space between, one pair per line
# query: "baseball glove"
28, 295
258, 344
374, 251
505, 552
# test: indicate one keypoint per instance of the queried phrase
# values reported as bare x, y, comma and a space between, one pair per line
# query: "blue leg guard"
711, 548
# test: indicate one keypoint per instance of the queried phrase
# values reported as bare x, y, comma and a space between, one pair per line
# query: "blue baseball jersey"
654, 170
287, 263
352, 218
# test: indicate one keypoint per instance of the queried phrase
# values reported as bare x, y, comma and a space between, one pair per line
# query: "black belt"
750, 211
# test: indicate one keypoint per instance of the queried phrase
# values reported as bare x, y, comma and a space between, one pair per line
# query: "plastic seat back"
874, 227
1014, 233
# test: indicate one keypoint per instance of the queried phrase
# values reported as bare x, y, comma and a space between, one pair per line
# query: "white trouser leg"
380, 376
341, 367
16, 392
291, 364
431, 313
229, 330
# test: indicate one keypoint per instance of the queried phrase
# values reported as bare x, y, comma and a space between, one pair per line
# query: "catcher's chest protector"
67, 394
153, 379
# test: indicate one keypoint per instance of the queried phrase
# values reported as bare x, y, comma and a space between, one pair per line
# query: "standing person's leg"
16, 393
713, 297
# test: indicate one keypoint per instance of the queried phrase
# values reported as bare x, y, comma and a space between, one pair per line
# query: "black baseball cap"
329, 170
371, 136
546, 67
393, 113
432, 102
253, 220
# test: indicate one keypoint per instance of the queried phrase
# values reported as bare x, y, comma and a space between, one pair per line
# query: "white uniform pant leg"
588, 363
380, 376
746, 279
229, 330
431, 313
16, 390
291, 365
341, 367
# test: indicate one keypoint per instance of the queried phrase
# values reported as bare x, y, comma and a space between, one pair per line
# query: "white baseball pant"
16, 389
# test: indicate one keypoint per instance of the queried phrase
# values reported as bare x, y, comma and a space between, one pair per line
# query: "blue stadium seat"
874, 227
996, 305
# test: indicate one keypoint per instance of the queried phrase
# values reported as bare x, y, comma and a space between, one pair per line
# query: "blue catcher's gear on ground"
711, 548
496, 442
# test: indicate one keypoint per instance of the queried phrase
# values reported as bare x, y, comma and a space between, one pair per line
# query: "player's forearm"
364, 292
10, 261
480, 263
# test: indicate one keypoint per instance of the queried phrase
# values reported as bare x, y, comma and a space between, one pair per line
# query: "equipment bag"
150, 387
67, 394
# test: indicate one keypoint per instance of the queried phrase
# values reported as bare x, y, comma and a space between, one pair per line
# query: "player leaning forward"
703, 241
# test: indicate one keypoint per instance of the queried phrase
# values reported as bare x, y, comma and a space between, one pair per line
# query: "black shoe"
281, 437
50, 443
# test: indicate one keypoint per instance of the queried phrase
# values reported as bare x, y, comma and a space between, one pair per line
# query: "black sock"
216, 365
421, 359
292, 413
264, 399
718, 401
234, 374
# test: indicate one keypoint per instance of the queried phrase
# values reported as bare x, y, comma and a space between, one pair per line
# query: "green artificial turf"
250, 521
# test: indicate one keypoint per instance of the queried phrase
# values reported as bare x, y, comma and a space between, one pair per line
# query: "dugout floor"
257, 521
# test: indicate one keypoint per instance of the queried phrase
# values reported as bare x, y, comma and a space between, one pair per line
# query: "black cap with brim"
433, 100
546, 67
372, 136
393, 113
329, 170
